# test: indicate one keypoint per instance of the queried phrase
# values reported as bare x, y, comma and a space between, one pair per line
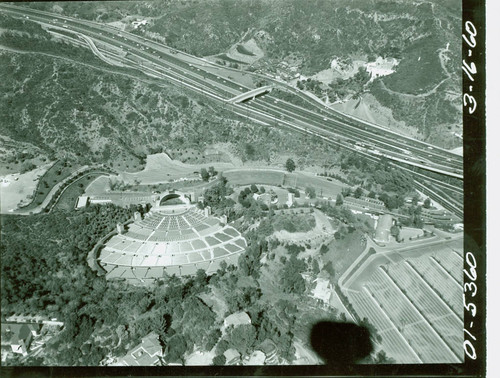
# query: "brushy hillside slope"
424, 36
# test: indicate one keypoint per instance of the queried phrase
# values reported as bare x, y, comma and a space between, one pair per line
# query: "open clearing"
367, 108
160, 168
17, 187
99, 186
277, 177
200, 358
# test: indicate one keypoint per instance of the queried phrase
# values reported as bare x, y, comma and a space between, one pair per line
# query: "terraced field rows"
391, 300
415, 303
366, 308
393, 342
426, 301
452, 263
428, 342
441, 282
427, 345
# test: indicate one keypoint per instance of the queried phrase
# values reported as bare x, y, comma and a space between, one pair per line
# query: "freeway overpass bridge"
251, 94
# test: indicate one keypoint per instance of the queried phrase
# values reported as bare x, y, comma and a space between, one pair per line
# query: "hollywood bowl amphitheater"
174, 237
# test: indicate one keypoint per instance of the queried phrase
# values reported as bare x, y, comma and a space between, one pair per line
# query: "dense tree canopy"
290, 165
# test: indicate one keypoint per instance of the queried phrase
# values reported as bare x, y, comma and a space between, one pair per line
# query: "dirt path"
432, 91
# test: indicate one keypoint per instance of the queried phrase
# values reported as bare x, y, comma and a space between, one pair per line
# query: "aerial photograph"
231, 183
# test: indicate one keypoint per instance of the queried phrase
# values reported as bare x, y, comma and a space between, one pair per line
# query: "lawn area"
342, 253
97, 187
324, 188
74, 190
160, 168
254, 176
55, 174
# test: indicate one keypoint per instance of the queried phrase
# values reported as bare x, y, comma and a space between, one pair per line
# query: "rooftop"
383, 230
145, 354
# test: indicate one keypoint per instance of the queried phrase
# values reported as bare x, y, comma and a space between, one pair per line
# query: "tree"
254, 188
328, 267
415, 199
395, 231
177, 346
358, 192
340, 200
213, 338
310, 192
315, 267
242, 338
291, 278
219, 360
427, 203
381, 358
290, 165
204, 174
346, 192
212, 171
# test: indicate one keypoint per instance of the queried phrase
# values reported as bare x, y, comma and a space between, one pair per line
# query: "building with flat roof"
232, 356
82, 201
383, 229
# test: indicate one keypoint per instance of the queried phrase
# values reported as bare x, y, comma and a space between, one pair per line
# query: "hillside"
61, 101
284, 38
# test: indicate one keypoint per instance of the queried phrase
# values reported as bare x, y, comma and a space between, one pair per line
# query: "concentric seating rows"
159, 235
163, 255
194, 218
150, 221
168, 221
142, 275
170, 243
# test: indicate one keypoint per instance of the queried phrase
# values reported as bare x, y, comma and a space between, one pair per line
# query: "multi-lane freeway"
197, 74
